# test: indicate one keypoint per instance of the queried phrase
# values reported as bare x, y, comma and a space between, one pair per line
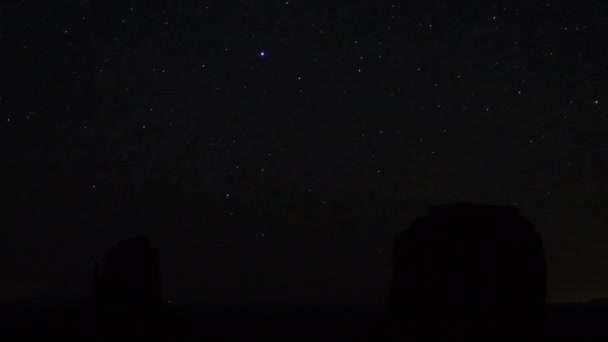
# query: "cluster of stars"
419, 74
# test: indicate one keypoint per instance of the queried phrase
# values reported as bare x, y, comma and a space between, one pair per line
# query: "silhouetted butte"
127, 293
467, 269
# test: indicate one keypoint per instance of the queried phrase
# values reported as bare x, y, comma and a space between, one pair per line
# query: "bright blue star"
262, 54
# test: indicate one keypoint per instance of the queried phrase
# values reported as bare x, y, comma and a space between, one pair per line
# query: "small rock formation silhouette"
469, 269
126, 294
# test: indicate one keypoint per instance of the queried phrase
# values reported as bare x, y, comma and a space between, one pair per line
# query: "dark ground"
198, 322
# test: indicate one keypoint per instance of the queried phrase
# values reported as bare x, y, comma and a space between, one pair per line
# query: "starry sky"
272, 149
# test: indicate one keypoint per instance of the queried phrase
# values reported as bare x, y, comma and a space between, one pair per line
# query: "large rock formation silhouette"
130, 274
126, 294
468, 269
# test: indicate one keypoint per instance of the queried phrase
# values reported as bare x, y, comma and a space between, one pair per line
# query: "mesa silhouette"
468, 269
127, 295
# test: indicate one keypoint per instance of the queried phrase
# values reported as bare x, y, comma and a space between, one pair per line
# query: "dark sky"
273, 148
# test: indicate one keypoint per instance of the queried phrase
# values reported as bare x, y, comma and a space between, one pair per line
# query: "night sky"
272, 149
